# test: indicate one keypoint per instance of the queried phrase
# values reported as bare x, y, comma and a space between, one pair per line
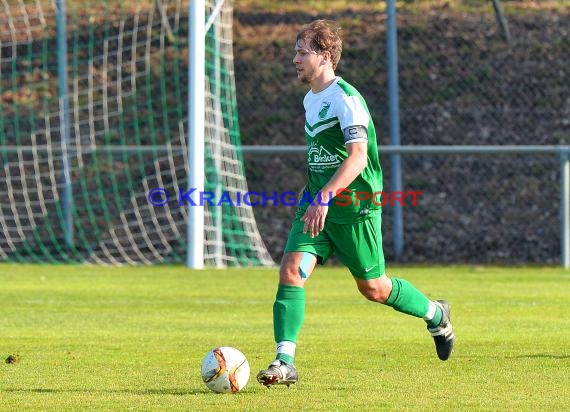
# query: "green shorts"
357, 245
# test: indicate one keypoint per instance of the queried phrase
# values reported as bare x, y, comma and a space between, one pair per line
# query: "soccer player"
342, 161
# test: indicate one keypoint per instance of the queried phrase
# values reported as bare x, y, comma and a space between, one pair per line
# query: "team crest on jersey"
324, 110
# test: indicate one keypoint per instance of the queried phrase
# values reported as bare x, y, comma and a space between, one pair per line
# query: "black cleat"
278, 373
443, 334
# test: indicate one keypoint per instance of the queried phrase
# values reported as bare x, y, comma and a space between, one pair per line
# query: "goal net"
79, 170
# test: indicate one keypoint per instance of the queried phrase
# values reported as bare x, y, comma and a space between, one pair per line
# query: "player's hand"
314, 219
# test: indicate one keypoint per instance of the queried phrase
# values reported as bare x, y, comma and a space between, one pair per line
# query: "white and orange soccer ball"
225, 370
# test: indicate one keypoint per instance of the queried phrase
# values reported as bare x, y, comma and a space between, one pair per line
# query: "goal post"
130, 98
196, 127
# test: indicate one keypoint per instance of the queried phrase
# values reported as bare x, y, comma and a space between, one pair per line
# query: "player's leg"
298, 263
288, 316
289, 305
404, 297
365, 260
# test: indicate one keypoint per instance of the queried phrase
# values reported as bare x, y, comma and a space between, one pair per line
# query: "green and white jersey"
327, 114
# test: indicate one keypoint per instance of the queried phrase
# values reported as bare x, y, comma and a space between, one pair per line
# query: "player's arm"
357, 149
349, 170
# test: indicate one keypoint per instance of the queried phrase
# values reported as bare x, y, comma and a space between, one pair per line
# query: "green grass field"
103, 338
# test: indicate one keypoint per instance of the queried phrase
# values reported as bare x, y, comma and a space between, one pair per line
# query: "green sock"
288, 316
436, 320
286, 358
407, 299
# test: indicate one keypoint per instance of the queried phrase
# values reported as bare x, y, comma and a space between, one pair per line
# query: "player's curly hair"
323, 35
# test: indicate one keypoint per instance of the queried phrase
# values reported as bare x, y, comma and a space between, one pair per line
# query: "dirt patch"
13, 358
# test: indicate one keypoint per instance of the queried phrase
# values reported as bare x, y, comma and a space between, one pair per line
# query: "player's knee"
289, 275
374, 295
296, 268
376, 290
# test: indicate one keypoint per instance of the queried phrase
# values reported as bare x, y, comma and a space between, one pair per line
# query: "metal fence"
475, 204
460, 83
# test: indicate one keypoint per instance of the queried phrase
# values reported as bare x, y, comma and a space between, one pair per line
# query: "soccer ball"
225, 370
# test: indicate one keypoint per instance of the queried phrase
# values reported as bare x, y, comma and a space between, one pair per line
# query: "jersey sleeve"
351, 112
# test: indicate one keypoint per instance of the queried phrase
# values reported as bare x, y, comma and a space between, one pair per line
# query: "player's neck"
323, 81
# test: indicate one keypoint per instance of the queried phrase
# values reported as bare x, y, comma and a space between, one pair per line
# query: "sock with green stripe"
288, 316
433, 316
406, 298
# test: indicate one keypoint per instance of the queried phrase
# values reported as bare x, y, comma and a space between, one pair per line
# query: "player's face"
306, 62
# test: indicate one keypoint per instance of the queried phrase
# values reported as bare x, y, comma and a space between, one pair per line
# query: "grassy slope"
338, 5
119, 338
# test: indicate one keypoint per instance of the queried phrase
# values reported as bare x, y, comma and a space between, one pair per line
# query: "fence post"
64, 124
394, 107
565, 207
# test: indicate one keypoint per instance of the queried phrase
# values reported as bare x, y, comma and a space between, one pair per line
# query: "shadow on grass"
178, 392
541, 356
